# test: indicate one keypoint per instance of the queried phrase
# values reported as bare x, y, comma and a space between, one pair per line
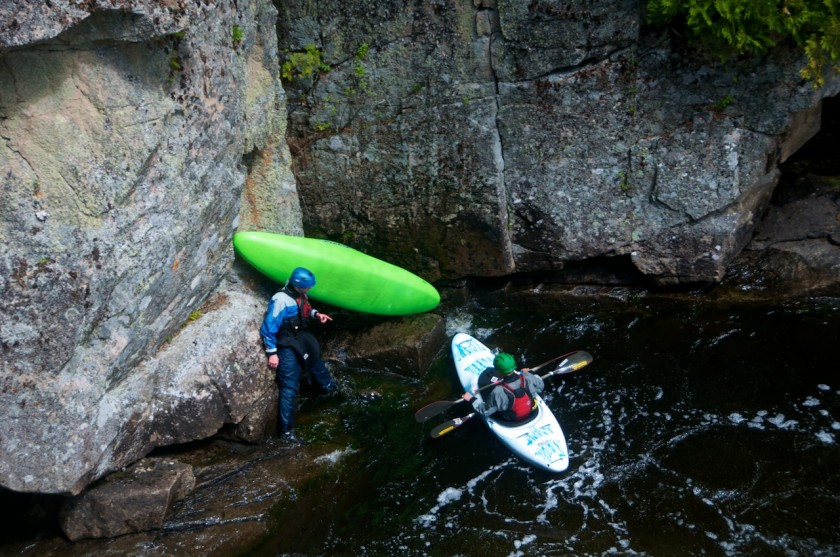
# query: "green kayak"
346, 277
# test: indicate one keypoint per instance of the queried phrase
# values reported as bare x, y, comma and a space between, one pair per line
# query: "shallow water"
698, 430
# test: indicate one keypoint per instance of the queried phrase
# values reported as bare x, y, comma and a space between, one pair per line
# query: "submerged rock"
135, 500
404, 346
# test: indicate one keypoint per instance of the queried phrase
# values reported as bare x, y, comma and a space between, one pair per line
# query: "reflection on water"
697, 430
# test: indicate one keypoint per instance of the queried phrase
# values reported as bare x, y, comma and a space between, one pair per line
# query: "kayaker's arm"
535, 382
479, 405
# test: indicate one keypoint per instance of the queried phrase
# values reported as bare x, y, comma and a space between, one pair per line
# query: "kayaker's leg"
288, 378
322, 377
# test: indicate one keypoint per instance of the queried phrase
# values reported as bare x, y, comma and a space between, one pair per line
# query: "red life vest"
522, 401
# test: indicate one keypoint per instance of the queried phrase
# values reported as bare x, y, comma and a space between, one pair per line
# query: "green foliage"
823, 49
175, 62
360, 71
727, 27
237, 34
623, 181
724, 102
174, 67
362, 51
333, 114
300, 65
327, 121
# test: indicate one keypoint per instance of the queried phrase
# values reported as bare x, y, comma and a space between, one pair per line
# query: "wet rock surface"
229, 509
134, 500
236, 484
795, 250
405, 346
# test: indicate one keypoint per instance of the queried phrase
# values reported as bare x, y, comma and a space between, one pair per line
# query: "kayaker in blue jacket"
290, 347
512, 399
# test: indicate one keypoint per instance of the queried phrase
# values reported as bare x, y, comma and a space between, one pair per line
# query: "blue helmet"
302, 278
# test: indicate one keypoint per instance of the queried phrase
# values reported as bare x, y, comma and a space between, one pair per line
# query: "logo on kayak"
472, 346
536, 433
477, 367
550, 451
547, 447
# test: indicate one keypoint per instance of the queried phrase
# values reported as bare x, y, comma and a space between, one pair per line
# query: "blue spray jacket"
285, 315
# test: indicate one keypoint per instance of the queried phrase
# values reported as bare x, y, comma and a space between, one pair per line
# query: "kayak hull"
346, 277
540, 441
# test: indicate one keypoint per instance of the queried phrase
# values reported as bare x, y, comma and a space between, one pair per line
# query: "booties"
290, 438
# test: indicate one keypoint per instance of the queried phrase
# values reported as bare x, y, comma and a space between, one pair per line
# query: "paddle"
572, 362
584, 359
446, 427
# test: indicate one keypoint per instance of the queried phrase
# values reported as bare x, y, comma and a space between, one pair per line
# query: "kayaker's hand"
323, 317
467, 397
273, 361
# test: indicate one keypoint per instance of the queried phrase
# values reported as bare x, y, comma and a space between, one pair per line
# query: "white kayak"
539, 441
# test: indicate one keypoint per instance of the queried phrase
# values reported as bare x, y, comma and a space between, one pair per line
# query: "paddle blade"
433, 409
442, 429
446, 427
580, 359
573, 362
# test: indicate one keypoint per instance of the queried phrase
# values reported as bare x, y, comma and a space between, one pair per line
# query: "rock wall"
127, 130
453, 137
504, 136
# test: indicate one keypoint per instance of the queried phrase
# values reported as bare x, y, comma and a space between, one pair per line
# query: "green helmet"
504, 363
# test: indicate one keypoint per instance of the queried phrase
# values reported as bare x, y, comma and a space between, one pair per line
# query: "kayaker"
290, 347
512, 399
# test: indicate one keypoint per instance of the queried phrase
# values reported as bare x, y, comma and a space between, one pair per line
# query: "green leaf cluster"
727, 27
300, 65
360, 71
237, 33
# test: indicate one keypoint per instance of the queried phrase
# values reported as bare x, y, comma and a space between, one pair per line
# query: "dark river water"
699, 429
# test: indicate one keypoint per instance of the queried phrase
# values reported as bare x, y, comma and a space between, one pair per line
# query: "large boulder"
128, 128
210, 375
